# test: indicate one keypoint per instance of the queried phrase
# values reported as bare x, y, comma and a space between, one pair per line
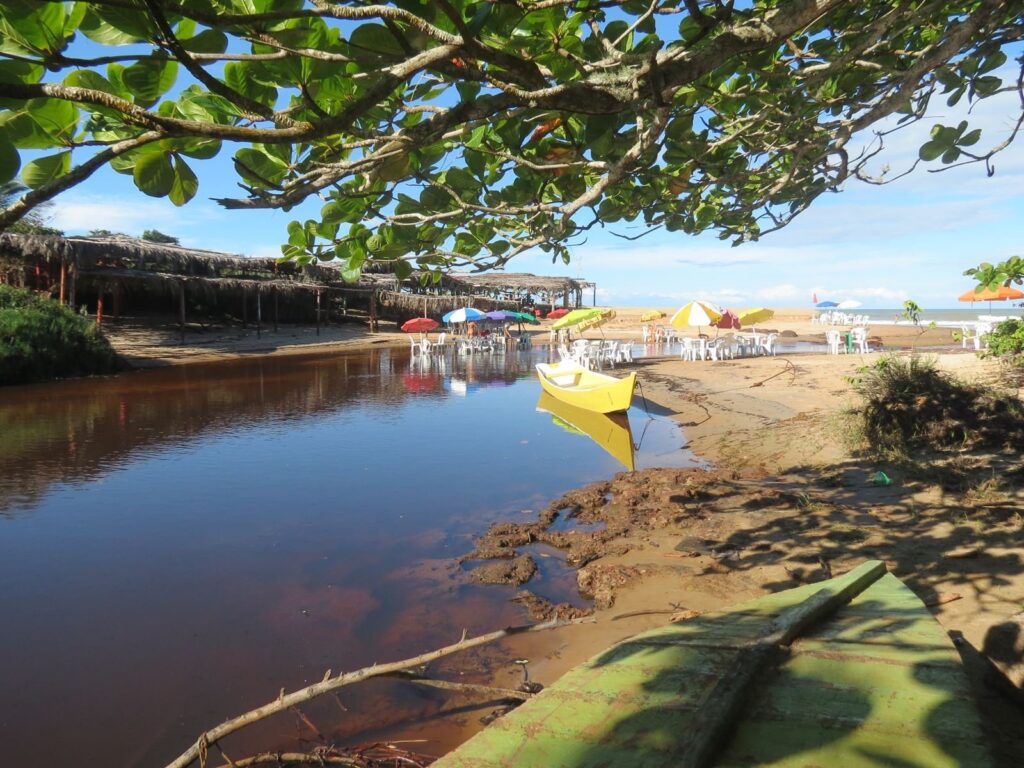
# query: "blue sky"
880, 245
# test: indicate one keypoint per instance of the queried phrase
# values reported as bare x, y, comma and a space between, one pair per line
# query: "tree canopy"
451, 132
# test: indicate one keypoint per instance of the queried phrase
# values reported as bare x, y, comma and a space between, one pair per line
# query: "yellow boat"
610, 431
573, 384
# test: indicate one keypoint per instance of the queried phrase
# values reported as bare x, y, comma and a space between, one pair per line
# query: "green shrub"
41, 340
1006, 339
910, 404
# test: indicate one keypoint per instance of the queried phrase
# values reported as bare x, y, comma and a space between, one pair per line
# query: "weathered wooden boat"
851, 672
571, 383
609, 430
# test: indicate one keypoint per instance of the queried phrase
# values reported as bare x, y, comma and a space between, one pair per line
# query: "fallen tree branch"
328, 684
486, 690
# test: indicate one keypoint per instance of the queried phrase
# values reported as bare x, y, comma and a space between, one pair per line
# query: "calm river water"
178, 545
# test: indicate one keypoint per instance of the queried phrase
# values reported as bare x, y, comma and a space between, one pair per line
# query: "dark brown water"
178, 545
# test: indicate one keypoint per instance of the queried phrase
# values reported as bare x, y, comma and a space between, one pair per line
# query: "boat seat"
565, 379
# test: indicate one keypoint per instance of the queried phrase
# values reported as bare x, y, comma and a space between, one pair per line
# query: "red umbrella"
729, 319
554, 314
419, 325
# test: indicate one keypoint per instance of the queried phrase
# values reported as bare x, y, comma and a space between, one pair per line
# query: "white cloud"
78, 213
783, 292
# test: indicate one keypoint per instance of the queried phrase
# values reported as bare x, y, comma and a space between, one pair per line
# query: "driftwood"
358, 757
198, 751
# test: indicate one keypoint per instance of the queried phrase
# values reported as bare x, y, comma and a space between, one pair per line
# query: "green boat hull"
877, 683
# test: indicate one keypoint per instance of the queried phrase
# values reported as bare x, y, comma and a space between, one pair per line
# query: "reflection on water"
177, 545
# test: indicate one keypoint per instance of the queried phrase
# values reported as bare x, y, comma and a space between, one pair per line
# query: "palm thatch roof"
128, 257
524, 282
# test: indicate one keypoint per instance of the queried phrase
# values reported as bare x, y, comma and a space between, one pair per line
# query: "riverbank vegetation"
910, 404
42, 340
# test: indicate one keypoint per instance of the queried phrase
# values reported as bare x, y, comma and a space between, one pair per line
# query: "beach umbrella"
1002, 293
757, 315
695, 314
525, 317
462, 315
729, 319
556, 314
848, 304
654, 314
826, 304
597, 322
575, 317
419, 325
500, 315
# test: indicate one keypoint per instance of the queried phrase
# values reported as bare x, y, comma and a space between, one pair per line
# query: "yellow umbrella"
575, 317
755, 316
597, 322
696, 313
654, 314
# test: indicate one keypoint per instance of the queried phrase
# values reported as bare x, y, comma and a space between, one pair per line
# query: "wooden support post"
181, 310
373, 311
63, 280
275, 306
317, 311
74, 283
259, 314
245, 308
99, 307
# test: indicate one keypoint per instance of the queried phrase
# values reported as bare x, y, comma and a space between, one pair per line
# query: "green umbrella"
525, 317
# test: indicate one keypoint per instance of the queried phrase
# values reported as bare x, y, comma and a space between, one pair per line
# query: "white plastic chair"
766, 345
860, 340
713, 350
689, 349
834, 340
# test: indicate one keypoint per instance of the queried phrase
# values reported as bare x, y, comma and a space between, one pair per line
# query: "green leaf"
207, 41
150, 78
86, 78
46, 169
55, 117
950, 155
374, 41
115, 26
931, 150
34, 27
402, 269
200, 149
259, 168
154, 175
20, 72
10, 160
970, 138
185, 183
239, 77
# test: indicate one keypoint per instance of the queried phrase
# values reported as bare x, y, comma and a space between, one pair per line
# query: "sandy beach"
787, 498
154, 342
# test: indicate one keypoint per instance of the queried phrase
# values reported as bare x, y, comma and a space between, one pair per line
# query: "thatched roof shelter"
124, 266
522, 285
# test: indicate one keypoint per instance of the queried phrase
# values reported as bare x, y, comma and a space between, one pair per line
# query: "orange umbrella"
1002, 293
